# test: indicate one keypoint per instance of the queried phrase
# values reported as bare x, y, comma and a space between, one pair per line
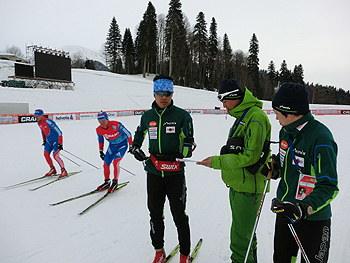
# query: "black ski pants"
314, 236
174, 188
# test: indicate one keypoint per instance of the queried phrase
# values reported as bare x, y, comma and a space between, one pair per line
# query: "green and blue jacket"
255, 128
167, 129
316, 154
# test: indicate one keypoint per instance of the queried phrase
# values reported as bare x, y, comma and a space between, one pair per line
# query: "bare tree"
78, 60
161, 43
15, 51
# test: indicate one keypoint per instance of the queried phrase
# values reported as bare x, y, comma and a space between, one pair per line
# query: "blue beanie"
163, 83
292, 98
38, 112
230, 90
102, 115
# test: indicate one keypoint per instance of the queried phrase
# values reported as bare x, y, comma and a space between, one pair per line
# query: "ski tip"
72, 173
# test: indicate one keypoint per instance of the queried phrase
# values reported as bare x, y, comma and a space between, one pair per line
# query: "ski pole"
292, 230
81, 159
70, 159
259, 211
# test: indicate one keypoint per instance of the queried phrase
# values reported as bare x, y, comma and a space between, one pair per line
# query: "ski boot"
113, 186
184, 259
160, 256
63, 172
104, 186
51, 172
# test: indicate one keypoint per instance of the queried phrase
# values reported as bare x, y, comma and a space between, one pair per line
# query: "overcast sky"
314, 33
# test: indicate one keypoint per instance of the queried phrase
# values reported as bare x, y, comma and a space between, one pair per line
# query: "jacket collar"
299, 125
248, 101
159, 110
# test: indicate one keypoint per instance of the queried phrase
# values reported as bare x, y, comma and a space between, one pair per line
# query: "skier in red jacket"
119, 139
52, 141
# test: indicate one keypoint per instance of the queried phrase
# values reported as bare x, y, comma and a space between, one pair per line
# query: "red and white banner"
72, 116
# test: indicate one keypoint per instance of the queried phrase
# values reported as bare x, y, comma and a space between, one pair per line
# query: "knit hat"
163, 83
38, 112
291, 98
230, 90
102, 115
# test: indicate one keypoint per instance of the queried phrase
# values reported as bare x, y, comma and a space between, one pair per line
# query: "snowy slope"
117, 230
84, 52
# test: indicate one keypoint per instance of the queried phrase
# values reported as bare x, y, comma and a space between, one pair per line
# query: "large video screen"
52, 67
22, 70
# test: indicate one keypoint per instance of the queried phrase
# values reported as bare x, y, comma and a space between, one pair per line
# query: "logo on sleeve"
152, 124
284, 145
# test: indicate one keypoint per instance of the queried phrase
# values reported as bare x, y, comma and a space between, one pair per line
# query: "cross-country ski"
195, 250
29, 181
82, 195
172, 253
100, 199
57, 179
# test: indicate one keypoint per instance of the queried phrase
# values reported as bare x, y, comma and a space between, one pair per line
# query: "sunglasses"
231, 93
162, 93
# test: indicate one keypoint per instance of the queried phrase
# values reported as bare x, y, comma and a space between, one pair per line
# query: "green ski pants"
244, 213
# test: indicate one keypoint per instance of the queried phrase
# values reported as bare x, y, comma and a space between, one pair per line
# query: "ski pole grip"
269, 174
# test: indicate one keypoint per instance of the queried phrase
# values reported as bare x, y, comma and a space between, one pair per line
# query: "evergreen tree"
200, 43
298, 74
213, 47
176, 46
285, 74
271, 72
146, 41
253, 66
113, 46
128, 51
227, 58
271, 82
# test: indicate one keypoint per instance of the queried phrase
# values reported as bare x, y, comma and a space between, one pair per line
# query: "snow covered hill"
87, 54
117, 230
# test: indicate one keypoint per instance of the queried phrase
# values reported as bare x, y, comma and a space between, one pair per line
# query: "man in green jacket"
170, 134
307, 166
240, 162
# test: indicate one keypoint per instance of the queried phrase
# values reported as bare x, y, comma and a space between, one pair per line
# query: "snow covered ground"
117, 230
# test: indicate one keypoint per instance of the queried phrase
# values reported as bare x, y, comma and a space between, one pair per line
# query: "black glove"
44, 142
190, 144
138, 153
60, 146
102, 155
287, 212
267, 168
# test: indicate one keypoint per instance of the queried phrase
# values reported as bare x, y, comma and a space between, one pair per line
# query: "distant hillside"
88, 54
